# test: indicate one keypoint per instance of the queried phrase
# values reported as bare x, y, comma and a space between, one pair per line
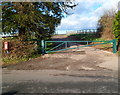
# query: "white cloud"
86, 14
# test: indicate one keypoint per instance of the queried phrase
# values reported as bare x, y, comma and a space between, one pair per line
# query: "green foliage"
30, 20
8, 60
99, 39
105, 24
118, 53
116, 26
84, 36
33, 19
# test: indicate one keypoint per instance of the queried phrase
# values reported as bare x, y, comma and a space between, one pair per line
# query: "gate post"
87, 42
114, 46
65, 44
43, 47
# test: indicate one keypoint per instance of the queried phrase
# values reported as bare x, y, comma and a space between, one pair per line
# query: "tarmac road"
54, 81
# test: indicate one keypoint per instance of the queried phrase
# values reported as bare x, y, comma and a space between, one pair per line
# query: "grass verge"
8, 60
118, 53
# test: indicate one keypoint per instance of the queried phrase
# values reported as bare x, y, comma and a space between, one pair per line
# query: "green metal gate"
44, 45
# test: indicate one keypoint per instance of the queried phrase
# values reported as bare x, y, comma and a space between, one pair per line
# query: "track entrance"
56, 45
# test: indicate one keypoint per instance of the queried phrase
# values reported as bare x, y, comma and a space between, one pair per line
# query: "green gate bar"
104, 42
80, 41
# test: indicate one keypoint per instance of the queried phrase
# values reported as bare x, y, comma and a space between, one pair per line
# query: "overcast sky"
86, 14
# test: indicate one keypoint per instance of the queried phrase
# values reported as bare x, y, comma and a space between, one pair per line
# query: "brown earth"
106, 47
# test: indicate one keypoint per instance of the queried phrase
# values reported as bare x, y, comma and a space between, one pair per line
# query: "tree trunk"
22, 35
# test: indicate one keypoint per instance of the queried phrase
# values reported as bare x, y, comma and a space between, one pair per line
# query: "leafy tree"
33, 18
116, 28
105, 24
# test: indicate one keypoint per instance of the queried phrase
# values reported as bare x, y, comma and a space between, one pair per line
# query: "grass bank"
89, 37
